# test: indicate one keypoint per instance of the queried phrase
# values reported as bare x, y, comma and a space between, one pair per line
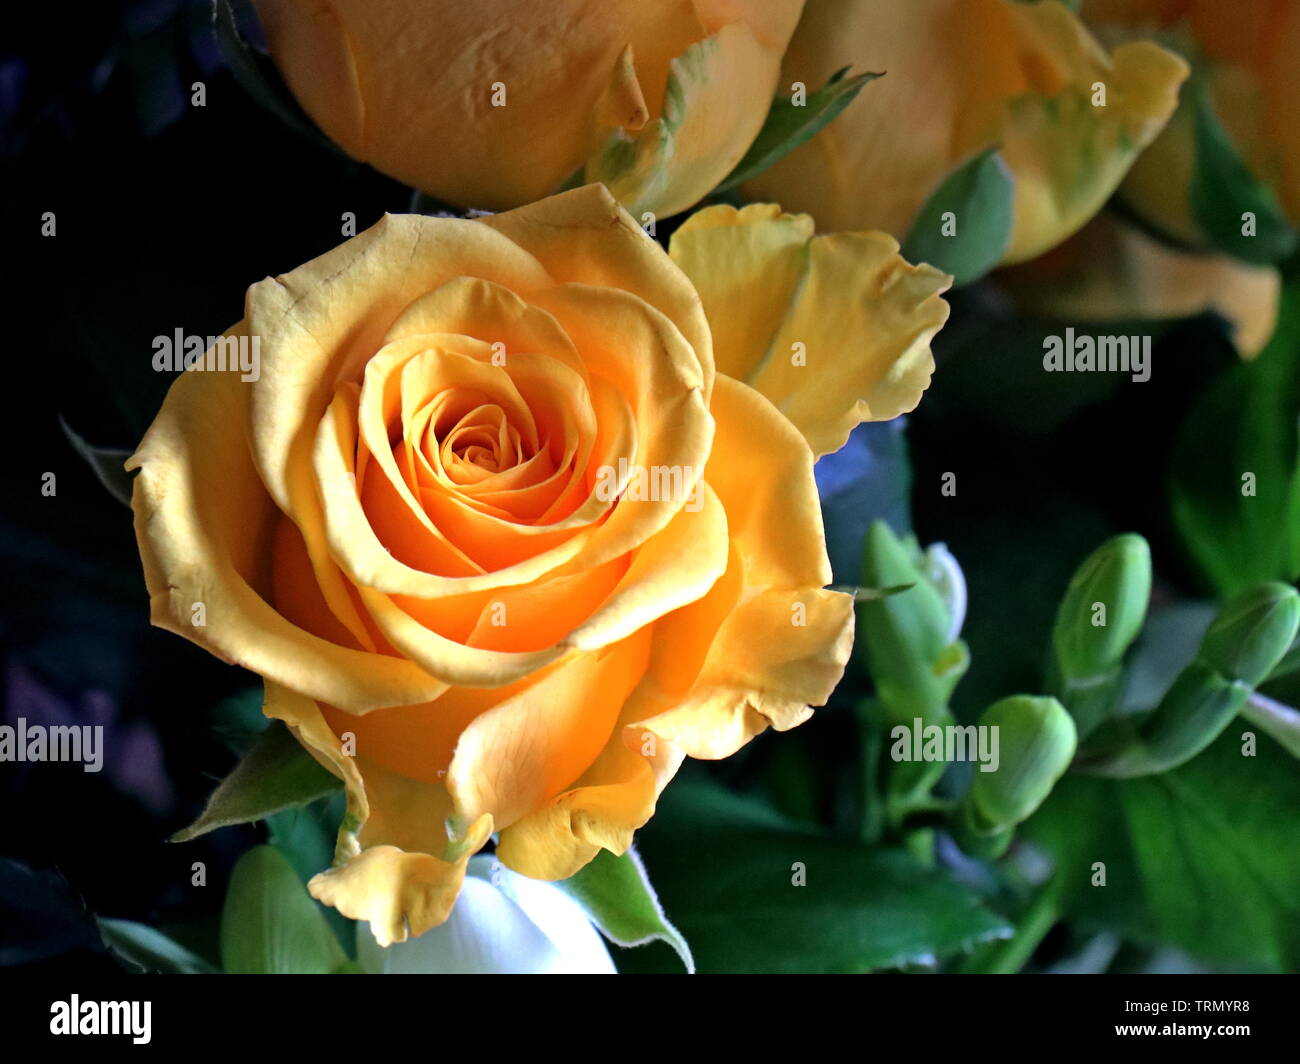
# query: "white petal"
486, 933
561, 919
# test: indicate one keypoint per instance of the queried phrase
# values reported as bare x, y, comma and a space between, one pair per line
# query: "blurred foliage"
1235, 474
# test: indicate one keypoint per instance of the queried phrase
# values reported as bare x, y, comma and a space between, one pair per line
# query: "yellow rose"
499, 102
963, 76
1249, 51
406, 524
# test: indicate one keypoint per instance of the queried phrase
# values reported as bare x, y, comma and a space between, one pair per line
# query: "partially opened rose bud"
1252, 633
963, 77
502, 924
500, 102
1035, 743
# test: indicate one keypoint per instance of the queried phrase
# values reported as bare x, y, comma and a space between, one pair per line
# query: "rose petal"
200, 545
835, 330
964, 76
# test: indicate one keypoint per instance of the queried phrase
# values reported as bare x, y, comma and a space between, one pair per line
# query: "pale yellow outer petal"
1068, 154
1112, 271
962, 76
395, 864
746, 265
835, 329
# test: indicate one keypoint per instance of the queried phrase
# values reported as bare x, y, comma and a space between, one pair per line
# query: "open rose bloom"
401, 524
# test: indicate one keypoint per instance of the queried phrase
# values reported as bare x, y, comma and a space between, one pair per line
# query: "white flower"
502, 923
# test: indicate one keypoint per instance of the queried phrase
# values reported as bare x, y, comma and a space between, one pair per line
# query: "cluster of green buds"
1244, 644
909, 622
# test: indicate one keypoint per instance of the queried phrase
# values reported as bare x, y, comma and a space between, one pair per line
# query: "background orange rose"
498, 103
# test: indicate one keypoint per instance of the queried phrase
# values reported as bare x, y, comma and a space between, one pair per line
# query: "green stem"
1010, 955
873, 806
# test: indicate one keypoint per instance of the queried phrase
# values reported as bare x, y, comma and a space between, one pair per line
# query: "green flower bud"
905, 636
1103, 609
1290, 662
916, 616
1196, 708
1253, 633
1035, 742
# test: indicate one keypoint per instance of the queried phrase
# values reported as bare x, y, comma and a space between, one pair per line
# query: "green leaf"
106, 462
971, 241
148, 950
1223, 189
257, 76
1245, 422
726, 869
275, 774
617, 895
787, 126
270, 924
874, 594
305, 834
1205, 858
